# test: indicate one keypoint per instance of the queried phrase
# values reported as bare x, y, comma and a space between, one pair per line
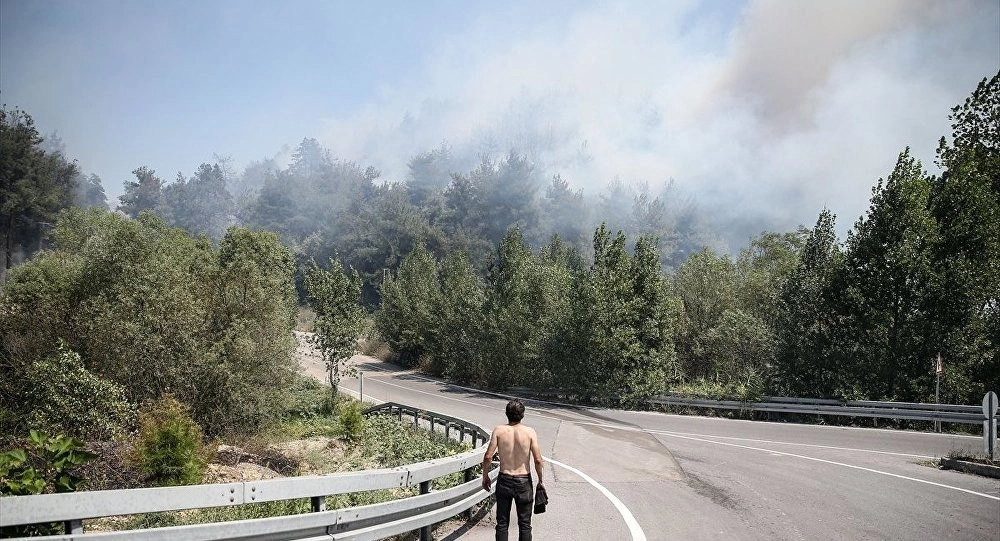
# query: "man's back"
514, 444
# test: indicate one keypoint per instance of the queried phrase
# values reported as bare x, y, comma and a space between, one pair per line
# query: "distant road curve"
686, 477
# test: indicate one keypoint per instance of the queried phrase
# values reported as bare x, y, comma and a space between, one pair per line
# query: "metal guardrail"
948, 413
367, 522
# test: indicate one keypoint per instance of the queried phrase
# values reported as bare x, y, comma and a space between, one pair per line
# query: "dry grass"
376, 347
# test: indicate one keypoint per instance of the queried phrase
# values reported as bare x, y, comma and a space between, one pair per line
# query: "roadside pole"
990, 425
361, 386
937, 390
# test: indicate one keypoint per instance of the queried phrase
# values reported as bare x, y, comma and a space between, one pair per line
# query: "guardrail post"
425, 532
318, 503
447, 429
469, 476
74, 526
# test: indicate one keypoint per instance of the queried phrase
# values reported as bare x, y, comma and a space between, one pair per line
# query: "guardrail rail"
367, 522
946, 413
949, 413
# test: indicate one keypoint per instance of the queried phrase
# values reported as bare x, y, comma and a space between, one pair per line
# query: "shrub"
47, 465
350, 422
134, 295
307, 399
170, 449
65, 397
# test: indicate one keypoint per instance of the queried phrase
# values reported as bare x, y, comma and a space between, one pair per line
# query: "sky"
765, 111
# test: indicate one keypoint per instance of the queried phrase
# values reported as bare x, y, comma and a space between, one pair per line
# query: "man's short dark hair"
515, 411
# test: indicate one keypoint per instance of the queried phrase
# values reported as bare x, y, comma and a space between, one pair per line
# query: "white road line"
633, 525
355, 394
817, 427
831, 462
798, 444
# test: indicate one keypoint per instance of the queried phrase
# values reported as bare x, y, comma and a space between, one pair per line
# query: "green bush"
308, 399
170, 449
66, 398
134, 295
46, 466
350, 422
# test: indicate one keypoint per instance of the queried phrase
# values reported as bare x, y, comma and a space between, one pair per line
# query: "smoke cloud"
796, 106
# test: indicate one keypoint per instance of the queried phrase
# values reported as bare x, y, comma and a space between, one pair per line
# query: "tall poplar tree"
965, 200
888, 274
806, 320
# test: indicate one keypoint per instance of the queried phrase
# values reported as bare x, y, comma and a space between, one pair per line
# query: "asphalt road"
619, 475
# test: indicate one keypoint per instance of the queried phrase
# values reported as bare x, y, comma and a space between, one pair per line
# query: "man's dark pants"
515, 489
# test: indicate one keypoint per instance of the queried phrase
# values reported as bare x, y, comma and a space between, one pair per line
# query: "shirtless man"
517, 445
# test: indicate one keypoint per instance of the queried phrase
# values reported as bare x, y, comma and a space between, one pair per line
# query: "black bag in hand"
541, 499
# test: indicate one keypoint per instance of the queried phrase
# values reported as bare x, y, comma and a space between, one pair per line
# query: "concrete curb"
971, 467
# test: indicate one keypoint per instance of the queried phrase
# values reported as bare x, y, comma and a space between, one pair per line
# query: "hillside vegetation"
190, 291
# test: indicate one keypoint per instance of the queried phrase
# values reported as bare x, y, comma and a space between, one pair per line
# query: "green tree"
807, 320
34, 186
706, 285
90, 192
170, 449
335, 296
565, 213
510, 327
144, 193
64, 397
200, 205
621, 312
408, 318
742, 347
965, 200
888, 274
461, 315
762, 269
429, 174
251, 307
558, 265
644, 374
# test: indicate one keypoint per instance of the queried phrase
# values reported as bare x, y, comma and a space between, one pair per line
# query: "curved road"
620, 475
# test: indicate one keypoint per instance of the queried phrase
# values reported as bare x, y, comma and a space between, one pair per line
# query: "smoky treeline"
495, 274
795, 313
324, 207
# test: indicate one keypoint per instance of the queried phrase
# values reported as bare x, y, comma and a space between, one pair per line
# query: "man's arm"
536, 453
488, 460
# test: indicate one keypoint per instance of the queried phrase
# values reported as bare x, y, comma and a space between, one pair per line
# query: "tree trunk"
8, 248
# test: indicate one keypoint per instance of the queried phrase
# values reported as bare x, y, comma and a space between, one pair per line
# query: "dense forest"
485, 273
